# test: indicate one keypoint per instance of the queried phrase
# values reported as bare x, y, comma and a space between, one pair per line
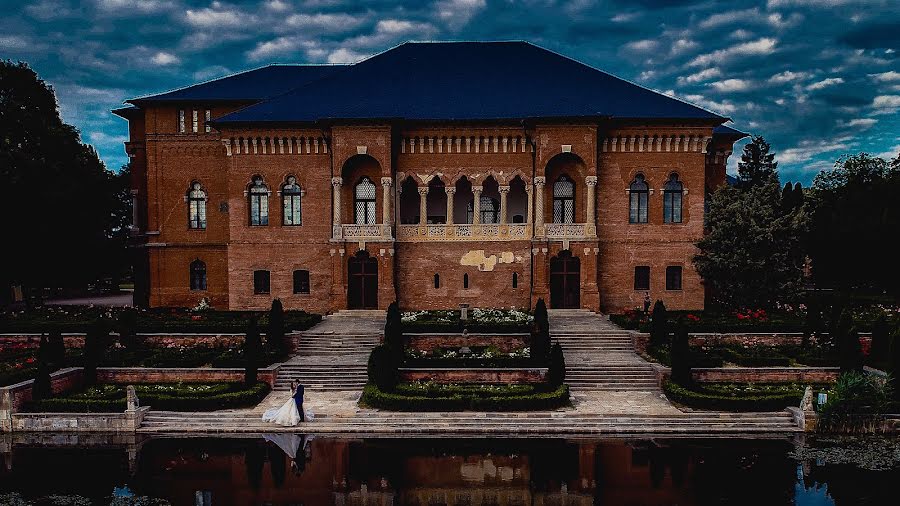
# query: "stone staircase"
477, 423
333, 354
599, 355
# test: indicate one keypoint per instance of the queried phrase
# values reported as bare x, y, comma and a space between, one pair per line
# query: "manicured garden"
165, 396
386, 390
736, 396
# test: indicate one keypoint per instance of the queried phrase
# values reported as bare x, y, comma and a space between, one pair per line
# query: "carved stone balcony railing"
354, 232
464, 232
569, 231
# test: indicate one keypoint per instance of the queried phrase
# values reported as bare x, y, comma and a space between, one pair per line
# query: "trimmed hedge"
720, 401
431, 389
394, 401
111, 399
457, 327
469, 363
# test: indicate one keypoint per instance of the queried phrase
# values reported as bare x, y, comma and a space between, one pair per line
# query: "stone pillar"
504, 191
336, 184
423, 205
529, 217
386, 206
590, 183
539, 205
476, 205
451, 191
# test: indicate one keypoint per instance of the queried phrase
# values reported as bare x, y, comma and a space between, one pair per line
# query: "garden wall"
156, 340
506, 343
766, 374
640, 339
127, 421
132, 375
497, 376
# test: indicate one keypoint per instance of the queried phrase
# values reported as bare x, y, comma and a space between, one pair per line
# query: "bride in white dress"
287, 415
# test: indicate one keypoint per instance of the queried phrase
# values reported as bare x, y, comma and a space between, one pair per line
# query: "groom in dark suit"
298, 398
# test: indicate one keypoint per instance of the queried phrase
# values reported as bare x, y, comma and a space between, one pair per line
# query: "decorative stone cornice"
633, 143
540, 180
337, 181
590, 180
387, 181
462, 143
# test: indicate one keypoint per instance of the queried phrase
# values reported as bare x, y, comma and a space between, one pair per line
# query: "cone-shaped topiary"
393, 329
57, 349
680, 355
252, 352
41, 388
556, 372
540, 335
659, 325
881, 346
127, 326
851, 357
275, 337
382, 368
96, 342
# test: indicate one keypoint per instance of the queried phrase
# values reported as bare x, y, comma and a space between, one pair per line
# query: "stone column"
504, 191
451, 191
423, 205
386, 206
590, 183
539, 204
529, 217
336, 184
476, 205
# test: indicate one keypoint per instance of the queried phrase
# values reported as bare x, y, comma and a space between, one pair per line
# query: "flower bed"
160, 396
736, 396
480, 320
450, 397
716, 355
476, 356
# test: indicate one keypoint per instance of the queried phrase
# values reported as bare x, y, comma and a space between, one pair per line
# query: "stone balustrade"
354, 232
464, 232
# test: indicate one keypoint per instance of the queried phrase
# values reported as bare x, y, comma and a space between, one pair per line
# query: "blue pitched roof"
252, 85
467, 81
730, 132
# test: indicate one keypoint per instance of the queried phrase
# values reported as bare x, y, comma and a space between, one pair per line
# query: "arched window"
301, 281
290, 199
490, 210
364, 200
259, 202
437, 280
638, 193
564, 200
515, 283
198, 275
672, 193
196, 207
465, 281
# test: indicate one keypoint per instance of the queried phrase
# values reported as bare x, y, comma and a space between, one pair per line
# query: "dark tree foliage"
791, 197
881, 345
50, 180
275, 335
540, 337
659, 325
894, 363
96, 342
851, 357
44, 346
680, 355
812, 326
127, 326
854, 212
556, 372
757, 166
41, 388
393, 329
252, 353
382, 368
751, 256
57, 349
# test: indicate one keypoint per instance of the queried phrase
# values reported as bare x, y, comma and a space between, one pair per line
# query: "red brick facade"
515, 164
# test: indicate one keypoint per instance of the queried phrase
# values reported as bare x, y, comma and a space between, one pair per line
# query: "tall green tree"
54, 191
854, 212
751, 256
757, 166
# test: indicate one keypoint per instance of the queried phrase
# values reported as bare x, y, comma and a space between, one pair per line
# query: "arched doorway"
362, 281
565, 281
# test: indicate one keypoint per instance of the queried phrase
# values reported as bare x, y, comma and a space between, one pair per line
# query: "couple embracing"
291, 412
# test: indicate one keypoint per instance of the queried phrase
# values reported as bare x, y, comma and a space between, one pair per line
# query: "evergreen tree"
881, 347
680, 355
757, 166
42, 387
851, 358
127, 326
96, 341
393, 329
540, 339
556, 373
751, 256
275, 334
57, 349
252, 352
894, 363
659, 325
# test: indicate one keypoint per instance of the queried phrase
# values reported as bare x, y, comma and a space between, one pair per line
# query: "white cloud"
761, 46
457, 13
699, 77
723, 107
741, 34
215, 16
892, 152
277, 6
641, 45
625, 17
858, 123
778, 21
824, 83
333, 23
163, 58
810, 3
14, 43
269, 48
808, 149
104, 138
889, 76
646, 75
729, 85
345, 55
133, 7
886, 104
788, 76
682, 46
725, 18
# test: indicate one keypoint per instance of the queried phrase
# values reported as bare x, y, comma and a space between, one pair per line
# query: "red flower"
30, 360
693, 317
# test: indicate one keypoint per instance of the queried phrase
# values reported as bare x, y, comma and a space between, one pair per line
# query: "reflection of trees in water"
255, 459
277, 465
850, 485
744, 472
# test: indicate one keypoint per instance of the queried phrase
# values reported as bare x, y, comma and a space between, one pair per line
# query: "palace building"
434, 174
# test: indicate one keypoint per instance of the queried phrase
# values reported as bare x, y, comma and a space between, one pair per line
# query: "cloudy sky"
817, 78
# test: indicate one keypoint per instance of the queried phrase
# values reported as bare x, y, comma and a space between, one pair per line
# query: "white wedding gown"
287, 415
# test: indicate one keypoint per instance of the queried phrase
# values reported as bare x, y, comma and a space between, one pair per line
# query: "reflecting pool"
296, 470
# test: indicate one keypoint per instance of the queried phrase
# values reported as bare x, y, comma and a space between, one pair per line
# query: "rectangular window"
260, 282
206, 119
673, 277
195, 124
259, 209
181, 121
642, 277
672, 207
638, 207
301, 281
197, 214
